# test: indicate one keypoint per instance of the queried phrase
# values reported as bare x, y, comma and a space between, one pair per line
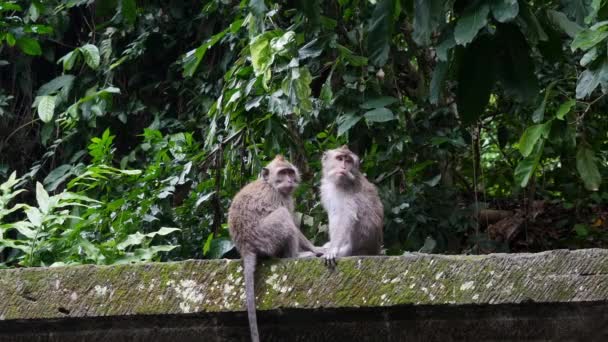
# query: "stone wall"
559, 295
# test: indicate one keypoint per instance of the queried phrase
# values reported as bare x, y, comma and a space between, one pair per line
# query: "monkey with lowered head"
353, 207
261, 224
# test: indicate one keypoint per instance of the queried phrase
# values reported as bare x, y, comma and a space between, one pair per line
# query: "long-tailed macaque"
261, 224
353, 207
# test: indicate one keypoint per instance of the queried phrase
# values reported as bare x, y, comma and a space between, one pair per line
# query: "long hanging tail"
249, 261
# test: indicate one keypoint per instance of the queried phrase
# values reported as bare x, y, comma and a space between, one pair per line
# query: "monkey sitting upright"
261, 223
353, 207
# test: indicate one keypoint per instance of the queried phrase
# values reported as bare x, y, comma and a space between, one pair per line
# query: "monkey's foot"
330, 259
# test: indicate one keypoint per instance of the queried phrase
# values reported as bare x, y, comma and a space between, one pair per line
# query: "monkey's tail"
249, 261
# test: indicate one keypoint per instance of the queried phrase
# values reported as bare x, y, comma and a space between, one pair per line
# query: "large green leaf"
587, 168
347, 122
60, 82
90, 53
590, 79
46, 108
257, 7
476, 77
43, 199
527, 166
531, 136
437, 80
29, 46
380, 31
194, 57
565, 109
427, 14
504, 10
379, 115
473, 20
560, 20
261, 54
587, 39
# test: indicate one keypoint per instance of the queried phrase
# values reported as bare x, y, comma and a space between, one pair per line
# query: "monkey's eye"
340, 158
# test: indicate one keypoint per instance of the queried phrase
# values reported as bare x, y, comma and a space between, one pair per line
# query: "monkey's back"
251, 204
371, 214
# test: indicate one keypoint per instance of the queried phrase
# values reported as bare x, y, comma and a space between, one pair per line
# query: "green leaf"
91, 56
380, 31
581, 230
34, 216
378, 102
257, 7
261, 54
10, 39
565, 109
24, 228
587, 82
539, 113
587, 168
379, 115
46, 108
527, 166
69, 59
350, 57
504, 10
439, 75
470, 23
587, 39
128, 10
347, 122
193, 58
589, 57
42, 197
57, 176
560, 20
445, 46
61, 82
476, 78
326, 93
531, 135
427, 14
29, 46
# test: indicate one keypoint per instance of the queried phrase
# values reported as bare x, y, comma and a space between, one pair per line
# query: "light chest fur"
337, 202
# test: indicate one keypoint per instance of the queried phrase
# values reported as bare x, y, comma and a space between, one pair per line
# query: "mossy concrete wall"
552, 295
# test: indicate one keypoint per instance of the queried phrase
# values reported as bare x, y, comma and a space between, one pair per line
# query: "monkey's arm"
340, 244
306, 245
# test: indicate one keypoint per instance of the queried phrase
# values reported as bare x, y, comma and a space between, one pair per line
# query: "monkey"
261, 224
353, 206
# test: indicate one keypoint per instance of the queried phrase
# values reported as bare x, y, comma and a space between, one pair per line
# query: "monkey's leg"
279, 230
306, 245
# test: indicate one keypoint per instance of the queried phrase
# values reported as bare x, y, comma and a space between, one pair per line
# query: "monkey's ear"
324, 155
265, 173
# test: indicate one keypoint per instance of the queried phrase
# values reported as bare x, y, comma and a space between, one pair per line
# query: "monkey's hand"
330, 258
319, 251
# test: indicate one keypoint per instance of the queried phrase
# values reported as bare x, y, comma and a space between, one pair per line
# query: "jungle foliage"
127, 126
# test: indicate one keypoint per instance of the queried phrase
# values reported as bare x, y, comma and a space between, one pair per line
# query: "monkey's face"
284, 180
282, 176
340, 166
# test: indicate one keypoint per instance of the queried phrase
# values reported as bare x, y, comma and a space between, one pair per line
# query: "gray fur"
261, 224
353, 206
